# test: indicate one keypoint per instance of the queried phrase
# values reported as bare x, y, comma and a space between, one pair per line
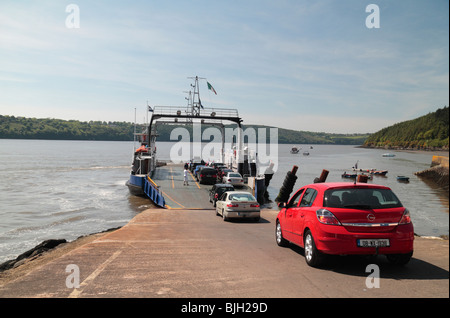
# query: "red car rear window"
357, 198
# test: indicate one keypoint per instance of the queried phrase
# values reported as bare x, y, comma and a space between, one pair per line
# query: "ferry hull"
136, 185
142, 185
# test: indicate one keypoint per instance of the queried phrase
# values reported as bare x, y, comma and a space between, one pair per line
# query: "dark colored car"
207, 175
197, 170
217, 190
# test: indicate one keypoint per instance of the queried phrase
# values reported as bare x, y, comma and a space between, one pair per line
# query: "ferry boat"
144, 157
140, 182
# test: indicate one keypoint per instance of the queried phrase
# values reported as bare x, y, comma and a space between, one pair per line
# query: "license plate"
373, 243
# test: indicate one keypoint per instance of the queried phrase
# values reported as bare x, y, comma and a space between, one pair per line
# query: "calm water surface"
66, 189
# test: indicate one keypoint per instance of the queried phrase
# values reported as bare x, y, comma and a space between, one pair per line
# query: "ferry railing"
187, 111
186, 114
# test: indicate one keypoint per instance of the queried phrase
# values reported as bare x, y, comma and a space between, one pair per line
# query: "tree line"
12, 127
32, 128
428, 132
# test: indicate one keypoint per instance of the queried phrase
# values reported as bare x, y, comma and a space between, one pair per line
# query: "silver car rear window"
241, 197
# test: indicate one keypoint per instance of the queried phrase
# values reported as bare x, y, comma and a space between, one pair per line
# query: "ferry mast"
196, 102
207, 115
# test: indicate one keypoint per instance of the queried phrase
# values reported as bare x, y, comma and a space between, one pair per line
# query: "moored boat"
379, 172
349, 176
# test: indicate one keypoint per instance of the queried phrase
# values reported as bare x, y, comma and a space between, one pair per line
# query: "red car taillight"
254, 205
406, 218
232, 205
326, 217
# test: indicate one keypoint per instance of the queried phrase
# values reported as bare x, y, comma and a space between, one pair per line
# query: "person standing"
185, 177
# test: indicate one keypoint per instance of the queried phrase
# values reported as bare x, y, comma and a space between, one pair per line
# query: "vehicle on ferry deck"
196, 170
207, 175
238, 204
217, 190
346, 218
194, 163
217, 165
221, 172
233, 178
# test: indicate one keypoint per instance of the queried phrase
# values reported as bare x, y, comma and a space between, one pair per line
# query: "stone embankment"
32, 253
438, 172
46, 246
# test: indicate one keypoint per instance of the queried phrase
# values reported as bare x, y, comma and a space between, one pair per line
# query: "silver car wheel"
279, 237
281, 241
308, 247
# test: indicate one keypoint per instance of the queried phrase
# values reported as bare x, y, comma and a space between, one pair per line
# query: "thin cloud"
294, 63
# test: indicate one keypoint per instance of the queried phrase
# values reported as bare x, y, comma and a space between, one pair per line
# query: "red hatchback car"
345, 219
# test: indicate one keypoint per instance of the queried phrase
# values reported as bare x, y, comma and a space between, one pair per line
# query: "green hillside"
285, 136
12, 127
31, 128
428, 132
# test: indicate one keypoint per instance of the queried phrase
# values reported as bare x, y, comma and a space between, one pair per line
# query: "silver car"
233, 178
238, 204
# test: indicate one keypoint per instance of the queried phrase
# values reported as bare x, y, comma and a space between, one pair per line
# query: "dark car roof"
208, 169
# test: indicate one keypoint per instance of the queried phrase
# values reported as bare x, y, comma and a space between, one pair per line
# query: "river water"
65, 189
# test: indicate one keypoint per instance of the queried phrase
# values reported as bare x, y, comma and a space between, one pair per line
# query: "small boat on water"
364, 170
388, 155
372, 171
349, 175
402, 179
295, 150
379, 172
355, 175
306, 153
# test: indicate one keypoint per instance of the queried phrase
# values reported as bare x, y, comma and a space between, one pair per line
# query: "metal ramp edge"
153, 192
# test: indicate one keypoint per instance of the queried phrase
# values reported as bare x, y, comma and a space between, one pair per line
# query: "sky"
321, 66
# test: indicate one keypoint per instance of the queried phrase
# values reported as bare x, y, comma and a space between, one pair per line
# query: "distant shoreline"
437, 152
